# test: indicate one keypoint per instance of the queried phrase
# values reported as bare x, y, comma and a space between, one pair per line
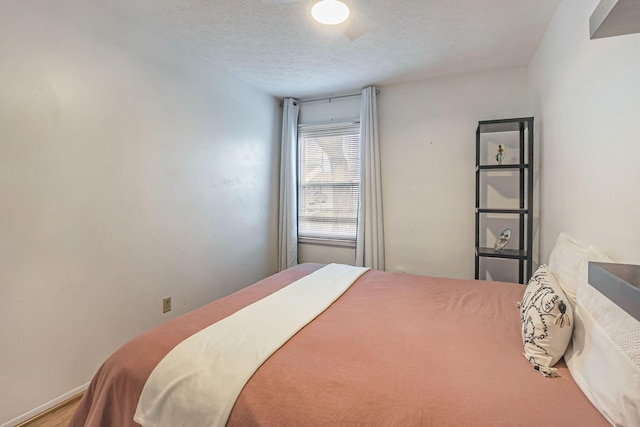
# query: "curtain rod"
329, 98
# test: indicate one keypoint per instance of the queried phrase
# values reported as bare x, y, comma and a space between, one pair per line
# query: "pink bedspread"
395, 349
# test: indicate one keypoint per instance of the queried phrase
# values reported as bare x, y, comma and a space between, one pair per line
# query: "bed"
393, 349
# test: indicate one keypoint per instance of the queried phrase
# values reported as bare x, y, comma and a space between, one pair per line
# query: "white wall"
427, 137
586, 97
130, 170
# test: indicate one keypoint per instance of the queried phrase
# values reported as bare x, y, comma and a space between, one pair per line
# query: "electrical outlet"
166, 304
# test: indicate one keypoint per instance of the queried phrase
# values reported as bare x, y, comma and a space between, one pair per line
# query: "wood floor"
58, 416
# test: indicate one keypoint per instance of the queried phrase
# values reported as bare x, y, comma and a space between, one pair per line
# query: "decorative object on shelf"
503, 239
501, 151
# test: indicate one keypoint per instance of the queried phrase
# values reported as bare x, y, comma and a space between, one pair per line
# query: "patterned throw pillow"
547, 320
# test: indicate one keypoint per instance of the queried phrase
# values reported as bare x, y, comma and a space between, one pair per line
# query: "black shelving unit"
523, 168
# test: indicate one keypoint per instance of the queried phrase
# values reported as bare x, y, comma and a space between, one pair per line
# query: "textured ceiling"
281, 50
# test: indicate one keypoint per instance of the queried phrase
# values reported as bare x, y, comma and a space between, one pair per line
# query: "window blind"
328, 181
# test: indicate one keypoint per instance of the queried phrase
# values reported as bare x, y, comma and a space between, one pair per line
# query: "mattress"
394, 349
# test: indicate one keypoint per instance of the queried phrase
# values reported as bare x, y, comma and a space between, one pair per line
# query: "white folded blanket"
198, 382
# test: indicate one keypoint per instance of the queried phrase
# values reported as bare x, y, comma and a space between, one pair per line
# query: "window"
328, 181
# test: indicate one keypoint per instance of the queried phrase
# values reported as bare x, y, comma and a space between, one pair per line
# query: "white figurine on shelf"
503, 239
500, 155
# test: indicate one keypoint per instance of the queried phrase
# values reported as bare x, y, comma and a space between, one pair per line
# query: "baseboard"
45, 407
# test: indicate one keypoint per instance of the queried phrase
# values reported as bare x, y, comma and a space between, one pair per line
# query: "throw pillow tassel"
562, 318
546, 371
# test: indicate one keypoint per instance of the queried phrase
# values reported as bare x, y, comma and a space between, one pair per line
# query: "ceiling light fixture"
330, 12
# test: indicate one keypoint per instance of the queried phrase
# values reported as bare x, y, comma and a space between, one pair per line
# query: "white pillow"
568, 262
604, 356
547, 320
